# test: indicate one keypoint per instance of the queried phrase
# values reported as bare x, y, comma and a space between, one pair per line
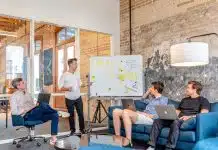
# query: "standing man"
70, 83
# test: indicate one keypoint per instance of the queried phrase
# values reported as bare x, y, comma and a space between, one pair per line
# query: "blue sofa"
191, 130
210, 140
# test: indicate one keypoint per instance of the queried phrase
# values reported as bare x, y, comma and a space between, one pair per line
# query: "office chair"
18, 120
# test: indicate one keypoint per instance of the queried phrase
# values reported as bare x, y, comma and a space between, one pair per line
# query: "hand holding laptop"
184, 118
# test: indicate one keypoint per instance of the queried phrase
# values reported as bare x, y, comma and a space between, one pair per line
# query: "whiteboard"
116, 76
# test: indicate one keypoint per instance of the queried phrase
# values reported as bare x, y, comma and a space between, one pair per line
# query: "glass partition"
14, 49
43, 49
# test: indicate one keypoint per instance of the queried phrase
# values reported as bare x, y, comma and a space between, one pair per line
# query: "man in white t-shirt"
70, 83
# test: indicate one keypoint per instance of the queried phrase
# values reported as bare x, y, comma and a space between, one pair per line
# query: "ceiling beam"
9, 20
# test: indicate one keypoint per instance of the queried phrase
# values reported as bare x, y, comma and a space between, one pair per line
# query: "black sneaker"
71, 133
83, 132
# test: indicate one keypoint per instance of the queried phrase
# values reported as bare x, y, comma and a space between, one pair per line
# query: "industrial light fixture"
190, 53
5, 33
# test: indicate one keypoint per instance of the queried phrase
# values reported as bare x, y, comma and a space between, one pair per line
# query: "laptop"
128, 104
44, 97
166, 112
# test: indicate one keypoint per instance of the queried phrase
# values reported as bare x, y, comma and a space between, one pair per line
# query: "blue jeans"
173, 136
44, 113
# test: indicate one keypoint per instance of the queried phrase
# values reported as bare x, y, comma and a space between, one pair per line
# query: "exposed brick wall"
158, 25
92, 44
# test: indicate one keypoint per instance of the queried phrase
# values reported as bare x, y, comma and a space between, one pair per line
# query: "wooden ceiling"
10, 24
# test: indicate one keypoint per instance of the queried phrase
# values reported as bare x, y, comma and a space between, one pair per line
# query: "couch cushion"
214, 107
186, 136
189, 125
139, 128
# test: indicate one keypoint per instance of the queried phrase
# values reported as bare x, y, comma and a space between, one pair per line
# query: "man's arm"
15, 109
16, 105
61, 85
204, 110
178, 112
146, 94
205, 105
64, 89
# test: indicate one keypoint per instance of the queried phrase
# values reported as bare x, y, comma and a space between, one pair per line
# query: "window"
38, 48
14, 61
70, 52
65, 34
60, 63
36, 73
65, 50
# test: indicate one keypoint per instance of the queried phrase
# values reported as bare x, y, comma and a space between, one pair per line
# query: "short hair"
196, 85
159, 86
15, 82
70, 61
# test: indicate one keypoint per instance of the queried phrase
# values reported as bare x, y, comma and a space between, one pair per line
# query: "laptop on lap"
166, 112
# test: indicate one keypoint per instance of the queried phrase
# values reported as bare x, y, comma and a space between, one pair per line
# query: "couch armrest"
207, 125
110, 110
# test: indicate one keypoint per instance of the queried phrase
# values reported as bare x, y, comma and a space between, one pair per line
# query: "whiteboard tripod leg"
97, 114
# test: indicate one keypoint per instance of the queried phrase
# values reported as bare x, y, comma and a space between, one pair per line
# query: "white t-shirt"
67, 80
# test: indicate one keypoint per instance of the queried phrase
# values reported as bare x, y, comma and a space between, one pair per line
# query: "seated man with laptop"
189, 107
22, 104
131, 116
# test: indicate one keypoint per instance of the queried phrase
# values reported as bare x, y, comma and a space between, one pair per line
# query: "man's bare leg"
129, 117
117, 114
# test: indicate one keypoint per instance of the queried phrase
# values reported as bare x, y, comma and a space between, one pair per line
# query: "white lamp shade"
189, 54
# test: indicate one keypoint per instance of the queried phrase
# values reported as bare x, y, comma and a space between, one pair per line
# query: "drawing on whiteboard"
93, 79
116, 76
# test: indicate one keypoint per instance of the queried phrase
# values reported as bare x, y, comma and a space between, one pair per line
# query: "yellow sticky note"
93, 78
121, 77
100, 62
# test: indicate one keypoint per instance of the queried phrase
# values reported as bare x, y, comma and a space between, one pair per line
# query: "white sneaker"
150, 148
63, 114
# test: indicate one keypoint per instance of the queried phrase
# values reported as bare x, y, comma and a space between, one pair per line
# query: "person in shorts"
146, 117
